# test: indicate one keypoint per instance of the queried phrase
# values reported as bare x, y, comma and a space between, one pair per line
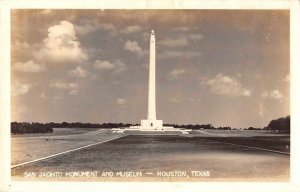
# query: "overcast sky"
227, 68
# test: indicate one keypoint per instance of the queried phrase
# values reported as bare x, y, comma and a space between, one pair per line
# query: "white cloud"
119, 66
71, 87
133, 46
103, 64
64, 85
274, 94
181, 41
20, 46
224, 85
176, 54
178, 42
121, 101
86, 27
195, 37
176, 73
29, 66
132, 29
61, 45
89, 26
93, 52
19, 89
78, 72
115, 66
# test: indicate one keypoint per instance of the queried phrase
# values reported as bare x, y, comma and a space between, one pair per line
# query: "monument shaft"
151, 93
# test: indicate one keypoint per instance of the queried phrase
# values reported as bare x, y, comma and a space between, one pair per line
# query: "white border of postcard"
5, 180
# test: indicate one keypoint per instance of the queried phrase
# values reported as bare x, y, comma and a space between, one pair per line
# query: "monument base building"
155, 126
150, 126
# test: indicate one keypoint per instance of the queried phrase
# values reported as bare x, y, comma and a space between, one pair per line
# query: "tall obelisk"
151, 91
151, 123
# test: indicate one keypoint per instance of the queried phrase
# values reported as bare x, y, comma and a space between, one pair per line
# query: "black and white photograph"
154, 96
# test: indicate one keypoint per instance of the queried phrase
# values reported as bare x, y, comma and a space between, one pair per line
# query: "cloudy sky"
227, 68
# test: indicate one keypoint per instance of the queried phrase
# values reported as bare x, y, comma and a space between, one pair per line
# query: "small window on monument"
151, 124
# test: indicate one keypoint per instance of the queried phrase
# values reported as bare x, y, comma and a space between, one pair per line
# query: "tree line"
24, 127
198, 126
281, 125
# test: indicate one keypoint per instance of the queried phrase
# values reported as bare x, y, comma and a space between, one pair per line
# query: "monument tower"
151, 123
